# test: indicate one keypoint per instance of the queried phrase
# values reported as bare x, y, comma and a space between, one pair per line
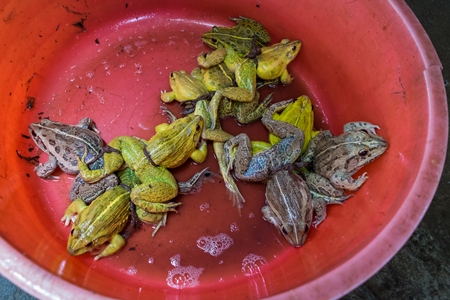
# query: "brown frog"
334, 159
64, 143
289, 206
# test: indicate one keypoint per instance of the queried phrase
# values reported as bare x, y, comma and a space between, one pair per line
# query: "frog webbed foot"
44, 170
72, 211
345, 181
320, 209
115, 245
195, 183
365, 126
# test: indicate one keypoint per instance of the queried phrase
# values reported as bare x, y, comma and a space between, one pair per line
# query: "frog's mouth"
36, 138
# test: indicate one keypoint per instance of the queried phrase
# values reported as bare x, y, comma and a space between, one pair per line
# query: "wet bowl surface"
359, 61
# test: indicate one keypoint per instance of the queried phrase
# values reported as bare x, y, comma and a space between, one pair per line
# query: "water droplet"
90, 74
204, 206
184, 277
234, 227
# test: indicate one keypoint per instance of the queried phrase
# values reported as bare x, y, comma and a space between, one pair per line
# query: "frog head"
361, 149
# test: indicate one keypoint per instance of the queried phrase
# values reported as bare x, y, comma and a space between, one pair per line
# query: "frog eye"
197, 128
284, 230
363, 152
171, 74
294, 48
214, 40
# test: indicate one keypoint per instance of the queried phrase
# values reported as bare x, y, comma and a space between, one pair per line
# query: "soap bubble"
184, 277
215, 245
234, 227
252, 263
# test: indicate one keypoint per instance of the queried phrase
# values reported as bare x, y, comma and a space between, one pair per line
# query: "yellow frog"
298, 113
184, 88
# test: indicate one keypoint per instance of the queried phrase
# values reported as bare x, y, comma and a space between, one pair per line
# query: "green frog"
184, 88
150, 165
241, 38
218, 78
99, 223
176, 142
274, 59
65, 143
271, 65
259, 167
159, 219
215, 77
105, 219
334, 159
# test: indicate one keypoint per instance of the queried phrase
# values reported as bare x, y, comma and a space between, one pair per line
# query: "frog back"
105, 217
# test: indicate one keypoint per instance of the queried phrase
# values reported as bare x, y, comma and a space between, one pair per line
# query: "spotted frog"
334, 159
64, 144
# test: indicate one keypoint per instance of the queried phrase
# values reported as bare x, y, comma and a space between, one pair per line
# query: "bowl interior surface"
359, 62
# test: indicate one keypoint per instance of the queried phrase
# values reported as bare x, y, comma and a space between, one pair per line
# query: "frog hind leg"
230, 184
243, 154
117, 243
274, 125
44, 170
157, 219
153, 192
199, 155
355, 126
112, 158
285, 77
74, 208
213, 109
245, 117
194, 184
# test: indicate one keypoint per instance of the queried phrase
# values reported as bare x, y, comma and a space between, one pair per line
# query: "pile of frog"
129, 181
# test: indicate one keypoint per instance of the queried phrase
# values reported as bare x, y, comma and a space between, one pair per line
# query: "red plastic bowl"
361, 60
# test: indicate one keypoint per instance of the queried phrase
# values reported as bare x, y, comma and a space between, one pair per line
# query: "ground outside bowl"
360, 61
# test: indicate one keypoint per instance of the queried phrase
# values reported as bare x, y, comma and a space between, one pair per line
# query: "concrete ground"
421, 269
